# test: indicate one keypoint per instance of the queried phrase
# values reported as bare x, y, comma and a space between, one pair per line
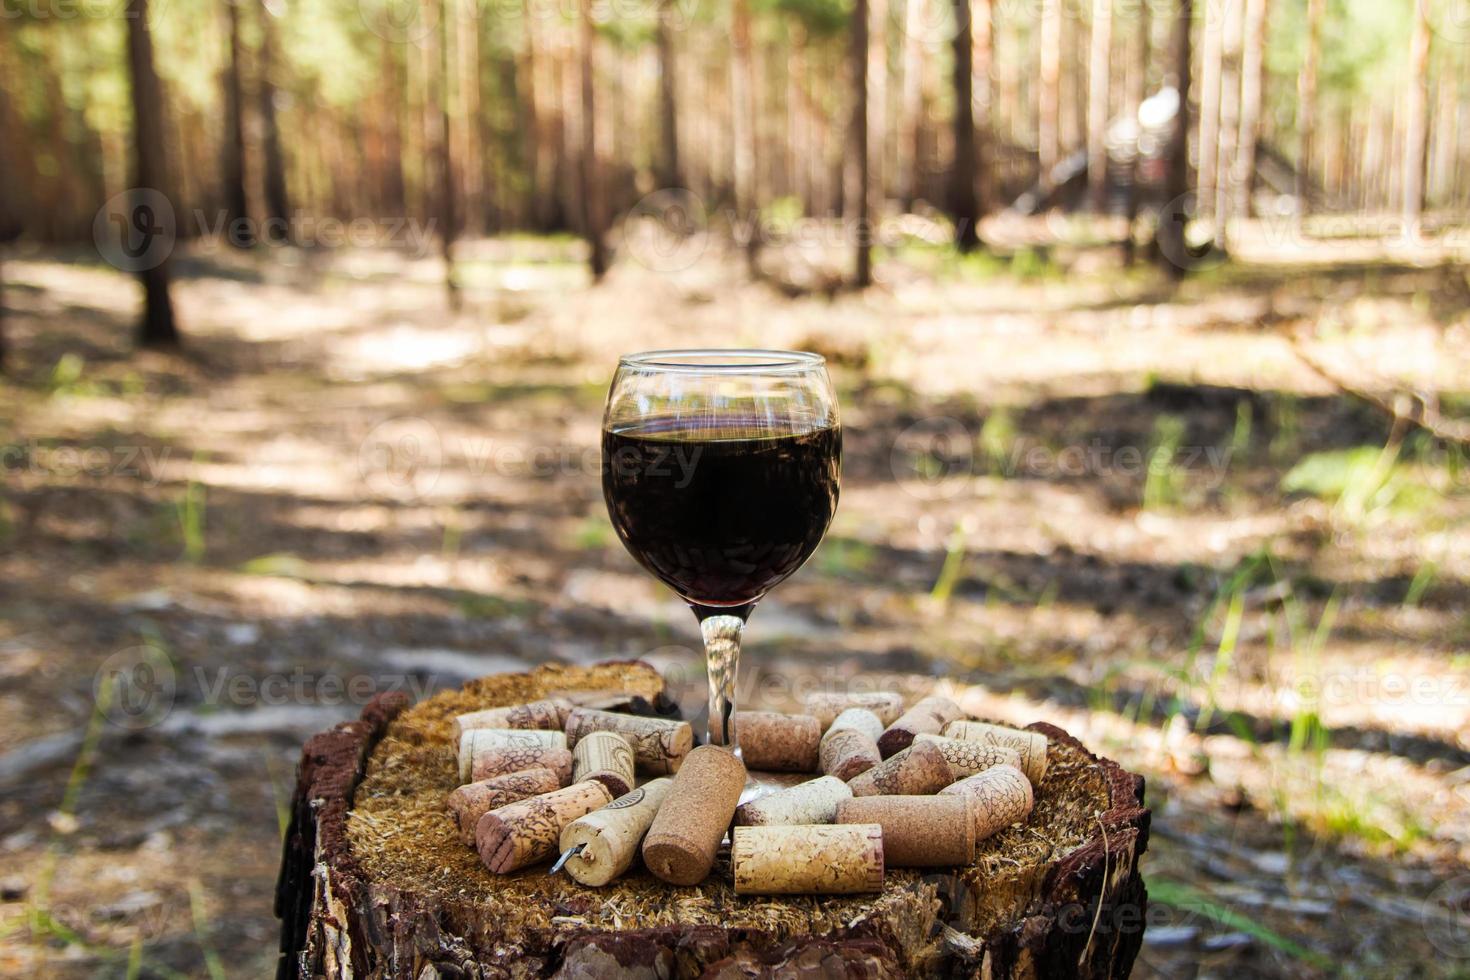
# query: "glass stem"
722, 661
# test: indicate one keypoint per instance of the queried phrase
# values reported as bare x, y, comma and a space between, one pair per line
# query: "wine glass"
720, 470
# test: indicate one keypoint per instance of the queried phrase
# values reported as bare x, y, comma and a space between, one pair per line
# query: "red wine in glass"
721, 471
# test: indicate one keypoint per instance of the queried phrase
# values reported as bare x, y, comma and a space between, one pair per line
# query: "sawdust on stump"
405, 843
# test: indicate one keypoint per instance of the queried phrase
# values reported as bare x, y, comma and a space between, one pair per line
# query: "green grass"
842, 557
477, 605
594, 533
998, 439
953, 567
191, 511
1189, 899
1163, 487
1359, 482
280, 564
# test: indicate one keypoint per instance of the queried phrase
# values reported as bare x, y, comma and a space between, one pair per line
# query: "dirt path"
1065, 491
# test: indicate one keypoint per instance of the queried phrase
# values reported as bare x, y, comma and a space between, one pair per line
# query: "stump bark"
375, 882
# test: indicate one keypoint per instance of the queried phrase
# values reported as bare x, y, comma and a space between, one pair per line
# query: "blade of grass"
201, 931
1186, 898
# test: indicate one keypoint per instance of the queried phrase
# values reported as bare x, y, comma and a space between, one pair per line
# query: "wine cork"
929, 716
918, 831
916, 771
520, 834
606, 757
814, 801
827, 706
548, 713
609, 837
479, 740
680, 846
850, 745
969, 758
659, 744
857, 719
473, 800
997, 798
1030, 745
847, 752
827, 860
498, 762
784, 743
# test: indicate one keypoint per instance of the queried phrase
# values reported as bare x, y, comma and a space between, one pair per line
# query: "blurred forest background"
1150, 321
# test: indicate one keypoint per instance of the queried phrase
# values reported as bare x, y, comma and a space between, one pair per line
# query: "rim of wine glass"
735, 359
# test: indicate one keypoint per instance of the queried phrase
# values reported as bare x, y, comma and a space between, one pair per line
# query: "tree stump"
375, 882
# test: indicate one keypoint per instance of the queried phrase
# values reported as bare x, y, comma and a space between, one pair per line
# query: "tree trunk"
1213, 44
237, 210
964, 205
669, 172
372, 888
1229, 116
862, 190
150, 173
1251, 87
742, 132
911, 104
1169, 240
277, 202
982, 41
472, 153
591, 171
1416, 112
1099, 62
440, 113
1048, 97
1138, 90
1307, 103
878, 100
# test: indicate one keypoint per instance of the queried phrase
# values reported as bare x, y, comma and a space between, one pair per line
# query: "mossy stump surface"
376, 883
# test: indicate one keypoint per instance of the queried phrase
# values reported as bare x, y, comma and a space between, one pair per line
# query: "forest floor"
1087, 496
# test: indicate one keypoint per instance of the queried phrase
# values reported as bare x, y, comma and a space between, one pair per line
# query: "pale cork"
969, 758
606, 757
681, 845
811, 802
480, 740
825, 860
523, 833
498, 762
997, 798
772, 741
1030, 745
659, 744
887, 705
929, 717
548, 713
473, 800
918, 831
609, 837
918, 770
860, 720
851, 744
